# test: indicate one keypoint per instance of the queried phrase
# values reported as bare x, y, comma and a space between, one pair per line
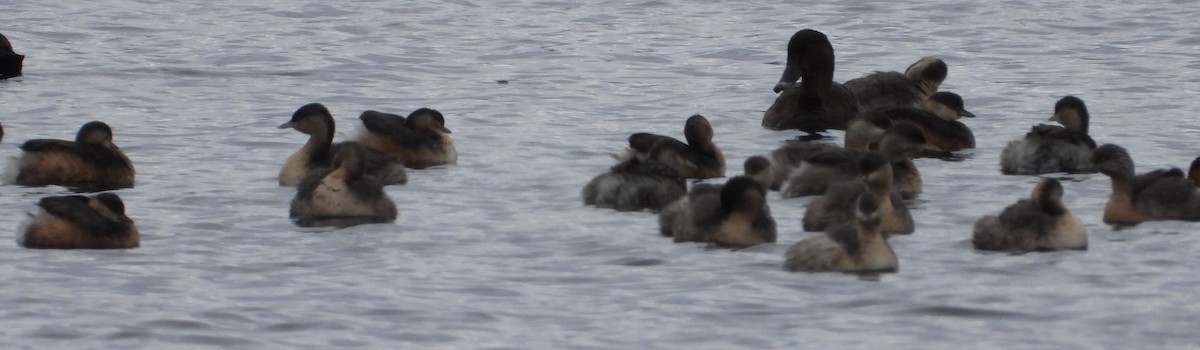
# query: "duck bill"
966, 114
445, 130
787, 80
287, 125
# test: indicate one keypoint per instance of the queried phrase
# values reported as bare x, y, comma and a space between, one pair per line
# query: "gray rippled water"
497, 251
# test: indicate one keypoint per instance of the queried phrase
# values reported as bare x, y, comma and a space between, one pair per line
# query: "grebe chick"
1052, 148
634, 185
760, 169
342, 195
820, 171
1041, 222
80, 222
90, 163
895, 89
817, 103
419, 141
836, 207
861, 134
315, 120
858, 247
699, 158
1158, 195
899, 151
10, 61
734, 215
831, 166
938, 119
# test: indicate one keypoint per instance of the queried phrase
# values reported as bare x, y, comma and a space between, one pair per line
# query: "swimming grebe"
1158, 195
80, 222
315, 120
851, 247
90, 163
759, 169
1052, 148
823, 169
419, 141
861, 134
938, 119
895, 89
635, 184
699, 158
1041, 222
836, 206
342, 195
733, 215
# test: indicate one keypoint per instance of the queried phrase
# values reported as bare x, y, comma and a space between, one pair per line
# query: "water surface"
497, 251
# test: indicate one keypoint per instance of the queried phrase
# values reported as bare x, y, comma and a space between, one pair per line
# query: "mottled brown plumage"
836, 206
734, 215
852, 247
699, 158
895, 89
831, 166
315, 120
937, 117
90, 163
419, 141
79, 222
343, 194
635, 184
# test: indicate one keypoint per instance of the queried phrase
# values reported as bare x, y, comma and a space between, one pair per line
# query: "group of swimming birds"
337, 184
889, 118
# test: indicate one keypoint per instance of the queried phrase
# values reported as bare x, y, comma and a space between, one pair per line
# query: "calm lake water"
498, 252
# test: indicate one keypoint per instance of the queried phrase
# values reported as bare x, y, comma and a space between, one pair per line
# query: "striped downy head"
1072, 114
1114, 161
